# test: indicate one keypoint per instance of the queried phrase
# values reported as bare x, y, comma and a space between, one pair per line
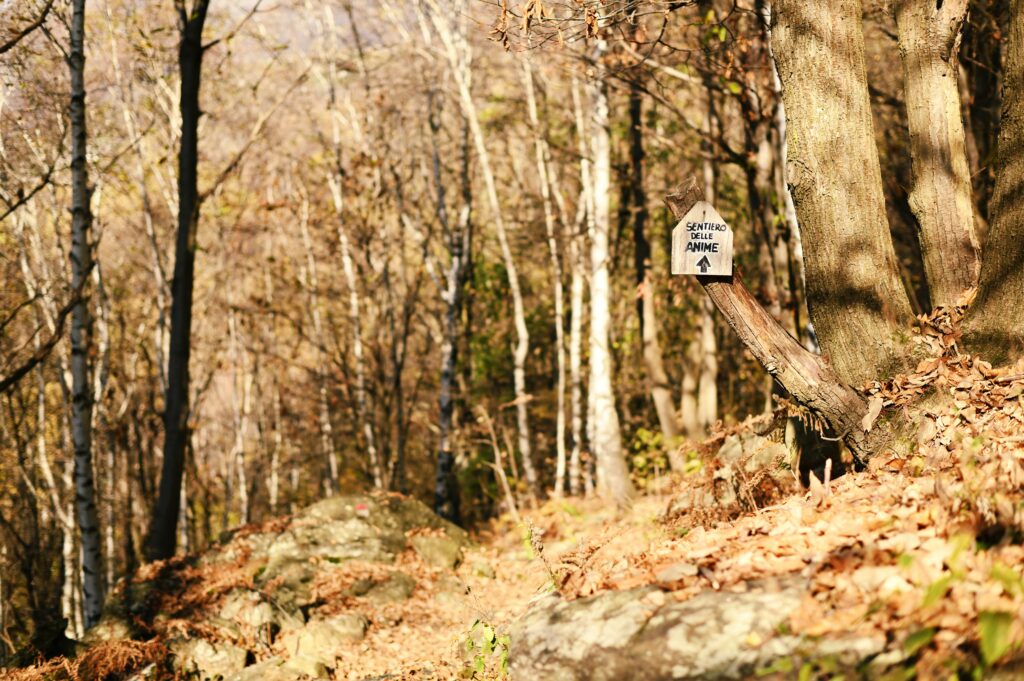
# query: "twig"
21, 35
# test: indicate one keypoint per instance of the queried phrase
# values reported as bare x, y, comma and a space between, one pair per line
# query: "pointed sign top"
702, 243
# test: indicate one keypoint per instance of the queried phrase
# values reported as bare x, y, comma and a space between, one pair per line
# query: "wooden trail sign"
702, 243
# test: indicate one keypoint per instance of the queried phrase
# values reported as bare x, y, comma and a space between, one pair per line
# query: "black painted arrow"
704, 264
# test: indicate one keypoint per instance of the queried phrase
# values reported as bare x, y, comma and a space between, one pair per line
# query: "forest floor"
923, 552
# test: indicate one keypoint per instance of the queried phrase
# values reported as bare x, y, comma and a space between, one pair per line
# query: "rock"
314, 648
397, 587
207, 660
111, 627
441, 552
274, 669
631, 634
334, 541
675, 572
248, 608
450, 591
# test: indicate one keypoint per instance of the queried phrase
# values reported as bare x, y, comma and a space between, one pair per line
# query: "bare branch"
25, 32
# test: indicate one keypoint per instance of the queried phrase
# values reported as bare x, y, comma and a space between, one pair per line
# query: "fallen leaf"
874, 409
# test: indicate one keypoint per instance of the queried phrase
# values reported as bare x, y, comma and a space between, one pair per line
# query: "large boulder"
645, 635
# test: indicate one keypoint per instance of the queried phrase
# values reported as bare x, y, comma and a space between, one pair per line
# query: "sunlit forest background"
403, 204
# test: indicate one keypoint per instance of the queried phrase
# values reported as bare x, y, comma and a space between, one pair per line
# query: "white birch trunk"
81, 333
545, 181
355, 319
613, 474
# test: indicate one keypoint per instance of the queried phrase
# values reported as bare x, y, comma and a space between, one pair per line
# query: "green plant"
648, 456
483, 643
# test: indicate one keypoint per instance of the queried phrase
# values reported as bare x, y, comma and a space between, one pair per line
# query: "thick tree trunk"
162, 536
929, 38
613, 474
857, 301
544, 179
996, 322
81, 332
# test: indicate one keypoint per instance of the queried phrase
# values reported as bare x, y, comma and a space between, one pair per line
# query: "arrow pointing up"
704, 264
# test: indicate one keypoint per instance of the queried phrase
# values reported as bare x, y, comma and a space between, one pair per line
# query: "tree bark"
940, 198
577, 284
995, 324
857, 301
613, 474
81, 332
545, 181
446, 489
162, 536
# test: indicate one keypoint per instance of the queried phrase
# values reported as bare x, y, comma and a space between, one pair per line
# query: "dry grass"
103, 662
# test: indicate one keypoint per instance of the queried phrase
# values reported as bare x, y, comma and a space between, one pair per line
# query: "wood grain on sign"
702, 243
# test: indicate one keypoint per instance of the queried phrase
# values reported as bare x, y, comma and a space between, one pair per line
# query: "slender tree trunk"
857, 301
355, 316
576, 287
460, 58
613, 474
691, 377
996, 322
707, 349
446, 489
311, 280
545, 181
940, 198
240, 405
81, 332
162, 537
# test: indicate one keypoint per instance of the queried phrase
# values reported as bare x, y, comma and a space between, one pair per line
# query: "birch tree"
543, 161
613, 474
81, 331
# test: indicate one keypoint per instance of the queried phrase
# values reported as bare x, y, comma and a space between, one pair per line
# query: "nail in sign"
702, 243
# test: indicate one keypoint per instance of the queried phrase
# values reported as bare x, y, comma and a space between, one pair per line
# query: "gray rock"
397, 587
274, 669
248, 608
207, 660
314, 648
641, 635
450, 591
442, 552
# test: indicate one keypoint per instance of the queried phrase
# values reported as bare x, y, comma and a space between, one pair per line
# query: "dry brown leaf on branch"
874, 409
